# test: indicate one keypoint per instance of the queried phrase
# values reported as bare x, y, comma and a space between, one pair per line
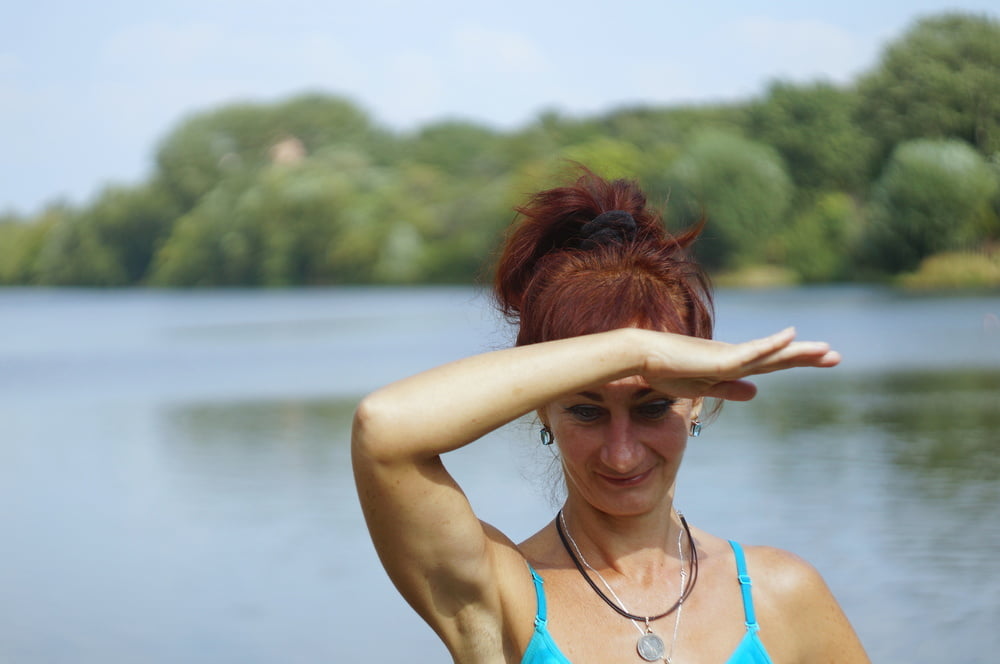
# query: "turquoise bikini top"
542, 649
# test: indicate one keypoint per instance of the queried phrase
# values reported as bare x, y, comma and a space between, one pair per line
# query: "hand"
692, 367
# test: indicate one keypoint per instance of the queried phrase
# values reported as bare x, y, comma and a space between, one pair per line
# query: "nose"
621, 451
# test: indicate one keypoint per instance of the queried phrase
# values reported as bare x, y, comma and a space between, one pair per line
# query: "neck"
640, 547
654, 567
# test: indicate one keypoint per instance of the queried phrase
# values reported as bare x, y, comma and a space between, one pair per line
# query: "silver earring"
546, 434
695, 428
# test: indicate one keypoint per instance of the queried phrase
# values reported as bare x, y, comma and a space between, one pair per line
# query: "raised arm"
442, 559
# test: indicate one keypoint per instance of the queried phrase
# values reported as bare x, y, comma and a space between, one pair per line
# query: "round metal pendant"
650, 647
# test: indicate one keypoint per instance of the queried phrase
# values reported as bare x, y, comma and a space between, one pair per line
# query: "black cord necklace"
622, 612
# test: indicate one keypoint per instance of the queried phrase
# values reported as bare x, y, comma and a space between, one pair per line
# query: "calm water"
175, 481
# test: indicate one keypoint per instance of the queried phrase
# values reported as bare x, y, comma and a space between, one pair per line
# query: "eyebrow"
594, 396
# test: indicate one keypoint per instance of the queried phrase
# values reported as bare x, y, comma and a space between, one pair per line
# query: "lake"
175, 477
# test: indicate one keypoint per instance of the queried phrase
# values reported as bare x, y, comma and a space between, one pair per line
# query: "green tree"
458, 149
608, 157
742, 189
21, 243
329, 219
460, 221
321, 121
939, 80
210, 146
111, 242
74, 254
935, 195
821, 243
812, 127
649, 126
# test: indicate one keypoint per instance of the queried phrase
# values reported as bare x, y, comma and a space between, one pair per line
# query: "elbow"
369, 438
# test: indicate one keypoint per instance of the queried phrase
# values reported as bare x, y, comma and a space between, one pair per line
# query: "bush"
821, 243
742, 188
934, 196
956, 270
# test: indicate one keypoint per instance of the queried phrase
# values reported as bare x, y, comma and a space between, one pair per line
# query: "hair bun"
612, 227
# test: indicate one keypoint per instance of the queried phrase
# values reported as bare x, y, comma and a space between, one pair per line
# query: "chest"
707, 628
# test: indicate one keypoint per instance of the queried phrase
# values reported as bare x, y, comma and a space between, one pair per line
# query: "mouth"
628, 481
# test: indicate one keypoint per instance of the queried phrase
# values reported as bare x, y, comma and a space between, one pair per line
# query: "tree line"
897, 173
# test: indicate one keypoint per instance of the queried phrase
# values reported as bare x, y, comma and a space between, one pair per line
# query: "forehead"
630, 387
628, 383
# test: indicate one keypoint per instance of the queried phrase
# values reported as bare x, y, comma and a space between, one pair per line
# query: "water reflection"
939, 425
943, 424
301, 428
185, 458
880, 479
272, 482
257, 454
889, 482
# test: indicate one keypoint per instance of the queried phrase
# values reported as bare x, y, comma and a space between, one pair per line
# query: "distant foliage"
823, 239
809, 181
933, 196
743, 191
208, 147
812, 127
958, 270
21, 243
940, 80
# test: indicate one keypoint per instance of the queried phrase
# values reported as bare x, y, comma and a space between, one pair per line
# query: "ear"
696, 406
540, 414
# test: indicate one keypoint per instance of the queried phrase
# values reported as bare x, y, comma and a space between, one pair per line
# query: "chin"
629, 506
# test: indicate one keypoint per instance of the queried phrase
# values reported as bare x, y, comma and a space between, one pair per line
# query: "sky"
88, 89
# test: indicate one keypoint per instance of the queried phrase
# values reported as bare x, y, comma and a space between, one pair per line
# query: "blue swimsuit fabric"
542, 649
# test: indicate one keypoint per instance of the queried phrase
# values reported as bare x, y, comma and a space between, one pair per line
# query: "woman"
614, 355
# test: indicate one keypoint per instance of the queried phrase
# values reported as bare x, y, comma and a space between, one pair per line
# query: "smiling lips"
631, 480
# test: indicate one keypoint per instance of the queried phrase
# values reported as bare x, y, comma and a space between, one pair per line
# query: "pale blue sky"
88, 88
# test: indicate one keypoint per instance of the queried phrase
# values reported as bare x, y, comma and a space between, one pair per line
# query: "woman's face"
621, 443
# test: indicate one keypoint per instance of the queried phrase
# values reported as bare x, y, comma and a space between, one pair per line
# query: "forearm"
447, 407
452, 405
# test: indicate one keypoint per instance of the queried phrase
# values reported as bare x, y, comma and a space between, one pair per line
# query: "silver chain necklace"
649, 646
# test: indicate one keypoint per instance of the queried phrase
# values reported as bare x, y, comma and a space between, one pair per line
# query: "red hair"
553, 289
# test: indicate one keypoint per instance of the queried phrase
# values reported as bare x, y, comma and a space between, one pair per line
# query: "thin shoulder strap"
540, 612
745, 585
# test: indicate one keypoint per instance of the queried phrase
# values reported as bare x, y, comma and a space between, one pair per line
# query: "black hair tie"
612, 227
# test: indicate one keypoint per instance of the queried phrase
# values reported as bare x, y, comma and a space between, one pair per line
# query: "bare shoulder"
797, 611
784, 574
787, 584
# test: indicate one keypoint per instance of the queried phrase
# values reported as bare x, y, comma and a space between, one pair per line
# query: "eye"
654, 410
585, 412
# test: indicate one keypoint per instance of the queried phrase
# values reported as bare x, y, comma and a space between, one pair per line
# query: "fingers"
761, 348
829, 359
733, 390
808, 353
697, 367
802, 354
798, 354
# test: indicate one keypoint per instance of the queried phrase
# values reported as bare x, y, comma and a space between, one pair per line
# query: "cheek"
670, 436
577, 444
576, 441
